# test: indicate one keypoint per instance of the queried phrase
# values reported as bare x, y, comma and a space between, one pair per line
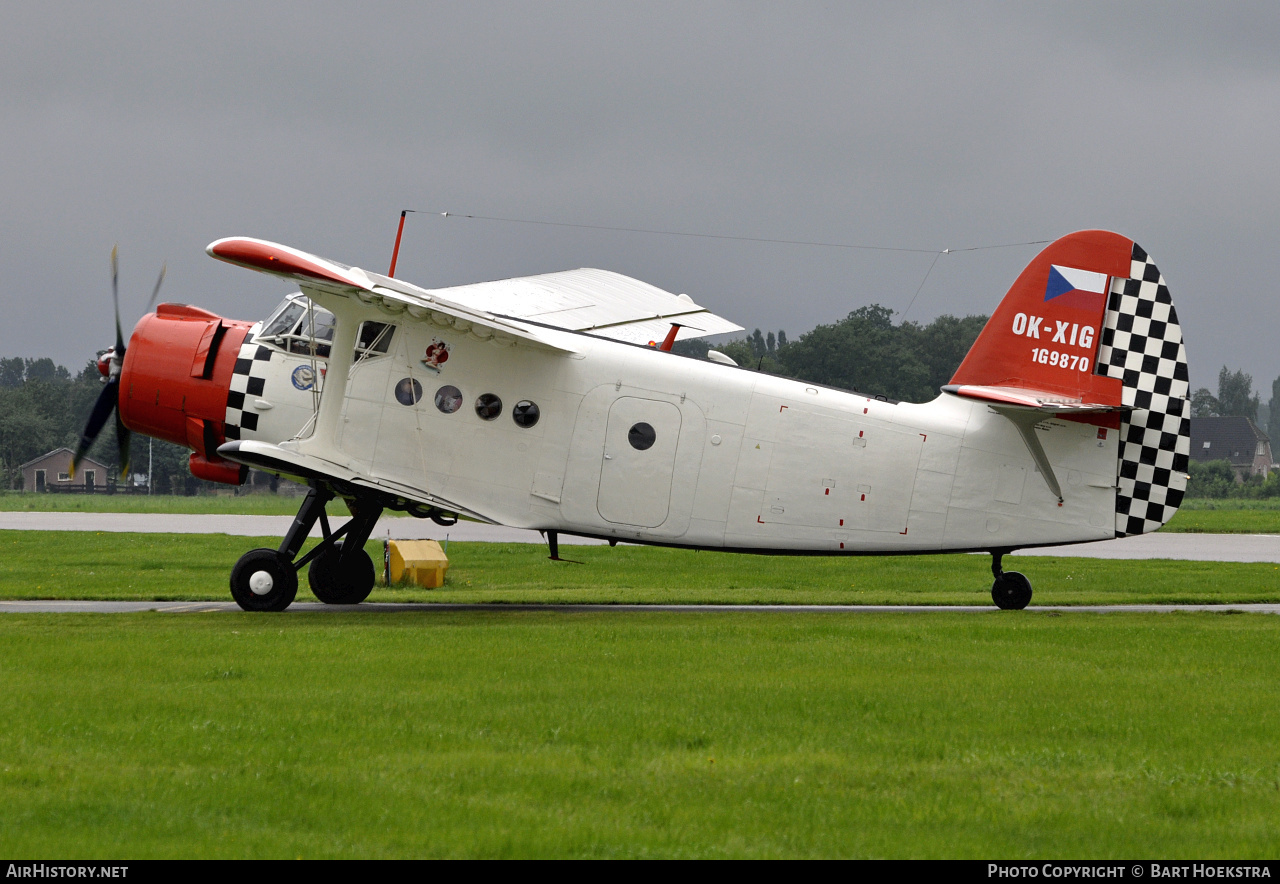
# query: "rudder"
1142, 346
1089, 326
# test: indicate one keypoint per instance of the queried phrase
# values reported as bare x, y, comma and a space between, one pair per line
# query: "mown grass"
84, 565
1207, 516
500, 734
218, 504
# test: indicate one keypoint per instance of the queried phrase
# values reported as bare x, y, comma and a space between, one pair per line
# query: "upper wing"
321, 277
597, 301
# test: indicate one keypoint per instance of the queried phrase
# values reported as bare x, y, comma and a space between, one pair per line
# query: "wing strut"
1025, 420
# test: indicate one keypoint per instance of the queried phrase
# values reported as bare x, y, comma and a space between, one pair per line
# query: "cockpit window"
319, 327
296, 325
284, 320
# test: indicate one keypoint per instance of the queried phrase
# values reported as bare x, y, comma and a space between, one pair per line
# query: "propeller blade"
122, 440
102, 409
156, 291
115, 297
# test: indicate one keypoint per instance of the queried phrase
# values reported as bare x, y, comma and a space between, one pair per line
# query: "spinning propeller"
110, 363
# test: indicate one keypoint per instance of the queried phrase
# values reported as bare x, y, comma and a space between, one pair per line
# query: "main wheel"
1011, 591
263, 580
348, 584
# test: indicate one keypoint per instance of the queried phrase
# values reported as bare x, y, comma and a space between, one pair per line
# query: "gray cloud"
920, 125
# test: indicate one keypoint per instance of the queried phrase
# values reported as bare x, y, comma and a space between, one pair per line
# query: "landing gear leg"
266, 579
342, 573
553, 544
1011, 591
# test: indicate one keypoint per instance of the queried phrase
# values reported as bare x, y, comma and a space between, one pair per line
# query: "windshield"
284, 320
296, 324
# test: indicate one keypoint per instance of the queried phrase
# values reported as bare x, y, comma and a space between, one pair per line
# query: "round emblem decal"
303, 377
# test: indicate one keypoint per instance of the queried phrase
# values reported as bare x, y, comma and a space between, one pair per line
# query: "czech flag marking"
1072, 287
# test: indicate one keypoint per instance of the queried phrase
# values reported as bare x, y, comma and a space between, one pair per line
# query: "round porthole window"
408, 392
488, 406
448, 399
641, 436
525, 414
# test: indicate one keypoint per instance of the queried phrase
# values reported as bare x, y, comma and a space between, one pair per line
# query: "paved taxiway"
1186, 547
87, 607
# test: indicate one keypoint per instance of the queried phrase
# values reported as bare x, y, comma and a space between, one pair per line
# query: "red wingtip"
273, 258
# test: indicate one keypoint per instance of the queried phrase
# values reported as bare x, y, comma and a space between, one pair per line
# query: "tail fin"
1089, 327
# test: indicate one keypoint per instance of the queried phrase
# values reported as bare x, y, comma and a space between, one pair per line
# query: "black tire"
1011, 591
348, 584
263, 580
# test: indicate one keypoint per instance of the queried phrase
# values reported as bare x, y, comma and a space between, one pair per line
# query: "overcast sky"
914, 126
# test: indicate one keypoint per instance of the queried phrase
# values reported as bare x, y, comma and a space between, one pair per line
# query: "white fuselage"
738, 460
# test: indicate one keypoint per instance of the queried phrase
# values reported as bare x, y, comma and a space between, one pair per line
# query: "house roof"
1234, 439
85, 460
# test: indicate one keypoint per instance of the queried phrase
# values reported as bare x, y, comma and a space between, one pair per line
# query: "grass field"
221, 504
1199, 516
640, 735
1202, 516
104, 565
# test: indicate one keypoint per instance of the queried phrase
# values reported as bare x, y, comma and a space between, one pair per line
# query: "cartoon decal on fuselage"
534, 403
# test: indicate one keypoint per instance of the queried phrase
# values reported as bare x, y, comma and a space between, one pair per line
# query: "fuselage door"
639, 460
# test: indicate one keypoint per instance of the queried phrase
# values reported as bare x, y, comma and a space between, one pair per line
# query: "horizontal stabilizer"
1025, 408
1023, 397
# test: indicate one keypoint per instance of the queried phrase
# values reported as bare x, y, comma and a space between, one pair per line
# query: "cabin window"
64, 477
408, 391
373, 339
525, 414
448, 399
488, 406
642, 436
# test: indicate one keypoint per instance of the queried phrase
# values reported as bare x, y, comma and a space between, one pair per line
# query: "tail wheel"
1011, 591
338, 582
263, 580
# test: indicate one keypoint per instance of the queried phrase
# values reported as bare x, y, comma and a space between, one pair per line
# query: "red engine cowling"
175, 379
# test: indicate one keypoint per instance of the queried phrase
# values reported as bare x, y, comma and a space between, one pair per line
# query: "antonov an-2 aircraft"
543, 402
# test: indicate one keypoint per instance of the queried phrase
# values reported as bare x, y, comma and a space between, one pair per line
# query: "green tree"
1213, 478
866, 352
1235, 394
1273, 423
1204, 404
11, 372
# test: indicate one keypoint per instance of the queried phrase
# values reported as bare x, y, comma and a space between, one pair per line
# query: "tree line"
865, 352
43, 407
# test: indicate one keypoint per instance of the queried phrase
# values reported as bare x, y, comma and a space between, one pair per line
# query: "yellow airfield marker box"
421, 561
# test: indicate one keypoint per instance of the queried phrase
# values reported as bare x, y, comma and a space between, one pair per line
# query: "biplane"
554, 402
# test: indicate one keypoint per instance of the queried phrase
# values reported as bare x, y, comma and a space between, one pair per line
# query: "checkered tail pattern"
247, 379
1142, 346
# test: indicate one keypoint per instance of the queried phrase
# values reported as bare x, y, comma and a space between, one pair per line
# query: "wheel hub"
261, 583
